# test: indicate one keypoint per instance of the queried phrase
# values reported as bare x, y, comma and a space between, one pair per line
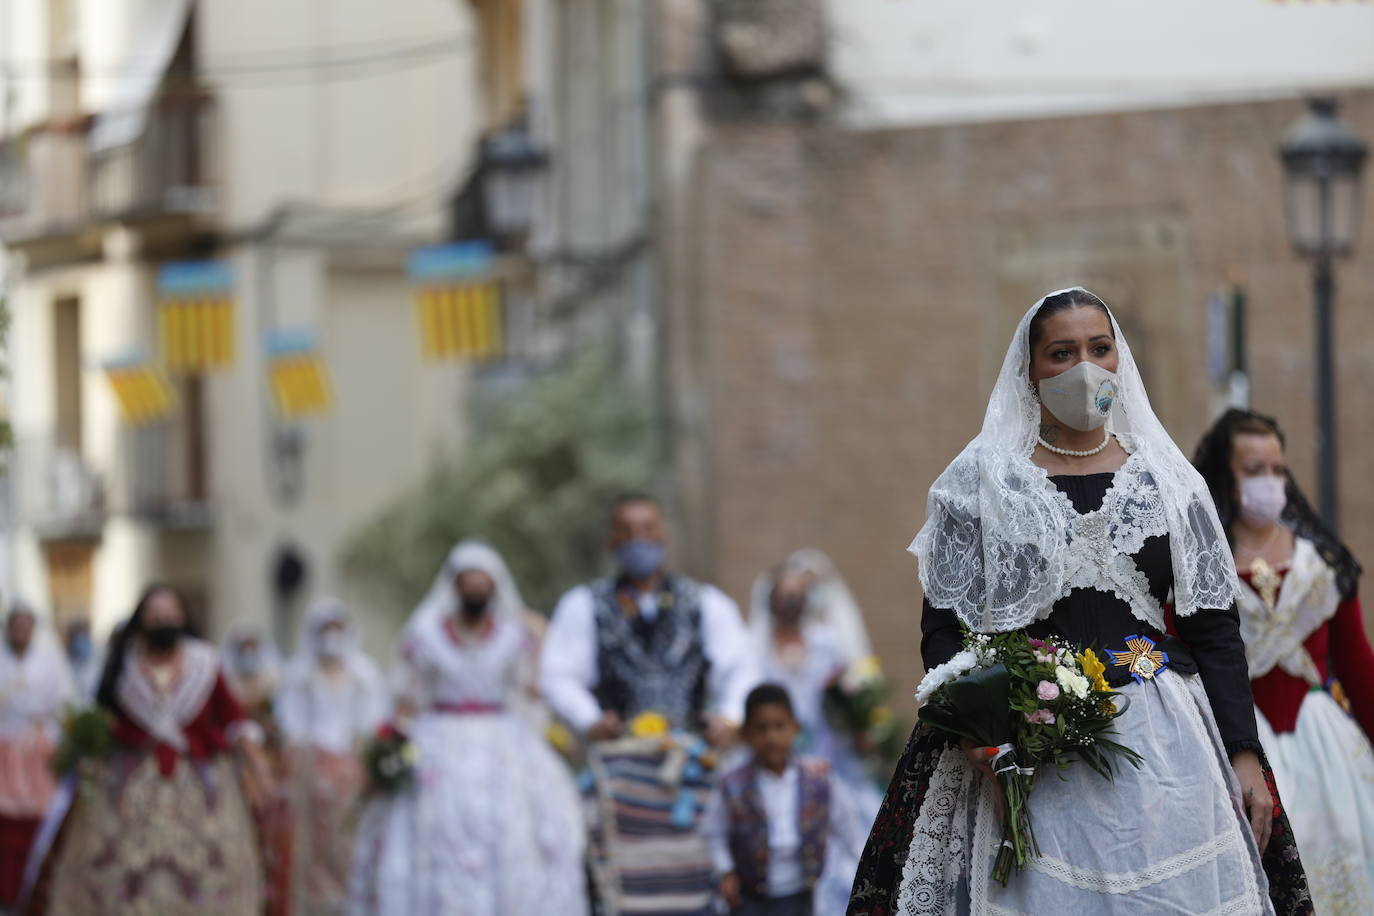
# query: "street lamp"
510, 167
1322, 160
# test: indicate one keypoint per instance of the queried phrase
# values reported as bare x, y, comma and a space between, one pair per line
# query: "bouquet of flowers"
86, 735
856, 703
390, 758
1033, 704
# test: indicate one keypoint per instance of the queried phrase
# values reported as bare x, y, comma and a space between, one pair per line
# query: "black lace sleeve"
941, 636
1214, 637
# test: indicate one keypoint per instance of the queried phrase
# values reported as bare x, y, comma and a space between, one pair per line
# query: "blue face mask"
80, 648
639, 559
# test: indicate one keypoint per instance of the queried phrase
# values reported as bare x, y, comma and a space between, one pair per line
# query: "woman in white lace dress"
1073, 514
492, 825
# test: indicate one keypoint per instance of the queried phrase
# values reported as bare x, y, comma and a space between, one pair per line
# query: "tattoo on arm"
1049, 432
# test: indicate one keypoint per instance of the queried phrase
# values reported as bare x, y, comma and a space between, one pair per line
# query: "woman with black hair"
1073, 514
1304, 633
162, 825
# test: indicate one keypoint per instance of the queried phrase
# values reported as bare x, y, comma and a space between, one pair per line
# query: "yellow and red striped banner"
143, 392
197, 336
458, 305
300, 386
196, 316
461, 321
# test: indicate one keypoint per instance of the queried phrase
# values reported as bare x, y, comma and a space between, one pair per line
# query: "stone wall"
841, 309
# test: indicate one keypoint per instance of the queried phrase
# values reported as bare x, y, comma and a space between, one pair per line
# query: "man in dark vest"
645, 664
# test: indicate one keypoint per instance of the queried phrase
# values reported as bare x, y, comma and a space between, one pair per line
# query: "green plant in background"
535, 483
87, 734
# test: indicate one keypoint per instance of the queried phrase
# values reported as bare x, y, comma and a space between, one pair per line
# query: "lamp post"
1322, 161
511, 163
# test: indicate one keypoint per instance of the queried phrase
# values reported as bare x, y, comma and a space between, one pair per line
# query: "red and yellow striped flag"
462, 321
300, 386
300, 382
458, 301
196, 315
197, 336
143, 392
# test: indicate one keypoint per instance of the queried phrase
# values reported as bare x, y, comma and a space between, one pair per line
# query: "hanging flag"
142, 390
300, 383
196, 315
457, 301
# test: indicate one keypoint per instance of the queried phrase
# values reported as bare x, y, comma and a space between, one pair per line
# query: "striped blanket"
644, 800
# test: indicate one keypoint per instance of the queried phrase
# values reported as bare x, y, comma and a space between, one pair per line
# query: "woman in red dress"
1304, 632
162, 825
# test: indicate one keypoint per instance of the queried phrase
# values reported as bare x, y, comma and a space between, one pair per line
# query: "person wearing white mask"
332, 698
1305, 641
35, 688
1073, 515
253, 670
252, 666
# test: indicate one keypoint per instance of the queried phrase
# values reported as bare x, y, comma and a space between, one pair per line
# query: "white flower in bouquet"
1075, 684
963, 661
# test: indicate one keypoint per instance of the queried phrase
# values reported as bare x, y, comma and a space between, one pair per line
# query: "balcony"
54, 186
56, 492
165, 475
167, 171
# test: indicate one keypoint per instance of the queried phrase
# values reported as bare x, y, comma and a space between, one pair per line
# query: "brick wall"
839, 314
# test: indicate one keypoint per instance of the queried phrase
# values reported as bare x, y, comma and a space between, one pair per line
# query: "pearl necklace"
1073, 453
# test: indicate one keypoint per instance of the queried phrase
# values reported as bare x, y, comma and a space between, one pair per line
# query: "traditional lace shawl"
1274, 636
1001, 544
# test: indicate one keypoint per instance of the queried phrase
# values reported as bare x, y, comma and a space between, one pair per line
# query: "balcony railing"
167, 170
56, 491
52, 183
165, 475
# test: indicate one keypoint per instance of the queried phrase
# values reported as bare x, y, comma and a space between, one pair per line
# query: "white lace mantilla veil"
832, 603
442, 598
304, 662
995, 546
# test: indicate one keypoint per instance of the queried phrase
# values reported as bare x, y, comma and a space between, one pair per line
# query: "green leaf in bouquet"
976, 706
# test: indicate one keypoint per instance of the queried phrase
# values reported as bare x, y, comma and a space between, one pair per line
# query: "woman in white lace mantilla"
1073, 514
492, 825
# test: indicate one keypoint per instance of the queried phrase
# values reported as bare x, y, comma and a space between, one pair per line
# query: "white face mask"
250, 662
1262, 500
1081, 397
331, 644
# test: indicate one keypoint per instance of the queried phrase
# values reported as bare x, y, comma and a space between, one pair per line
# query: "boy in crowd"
768, 822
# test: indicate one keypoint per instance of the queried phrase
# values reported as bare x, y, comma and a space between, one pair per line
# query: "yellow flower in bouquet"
1094, 669
649, 725
560, 738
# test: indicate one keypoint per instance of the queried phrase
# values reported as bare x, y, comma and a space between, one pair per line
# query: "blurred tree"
535, 484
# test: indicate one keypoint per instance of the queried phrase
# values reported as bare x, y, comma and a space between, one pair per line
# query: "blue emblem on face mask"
1106, 396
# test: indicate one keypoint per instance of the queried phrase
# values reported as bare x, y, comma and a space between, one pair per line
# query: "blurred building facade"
803, 227
308, 147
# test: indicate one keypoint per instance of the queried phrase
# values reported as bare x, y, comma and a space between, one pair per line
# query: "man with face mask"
648, 646
646, 640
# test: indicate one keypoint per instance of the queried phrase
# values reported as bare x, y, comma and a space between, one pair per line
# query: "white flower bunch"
963, 661
1071, 681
